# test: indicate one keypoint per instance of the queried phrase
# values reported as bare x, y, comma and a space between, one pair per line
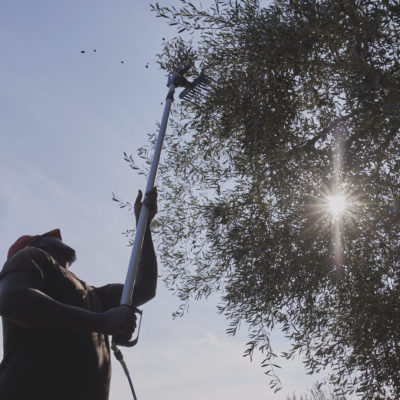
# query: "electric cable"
118, 355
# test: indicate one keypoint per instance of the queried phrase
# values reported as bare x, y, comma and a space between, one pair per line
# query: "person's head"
62, 253
51, 242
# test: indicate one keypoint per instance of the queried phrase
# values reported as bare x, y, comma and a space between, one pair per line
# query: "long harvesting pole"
126, 298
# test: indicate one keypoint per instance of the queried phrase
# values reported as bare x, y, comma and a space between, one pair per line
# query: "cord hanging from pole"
118, 355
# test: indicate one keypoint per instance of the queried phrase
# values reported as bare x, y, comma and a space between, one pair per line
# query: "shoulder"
28, 259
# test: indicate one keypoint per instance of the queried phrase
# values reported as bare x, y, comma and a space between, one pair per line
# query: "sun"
336, 204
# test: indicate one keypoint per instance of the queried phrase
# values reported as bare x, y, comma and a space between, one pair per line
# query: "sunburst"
336, 204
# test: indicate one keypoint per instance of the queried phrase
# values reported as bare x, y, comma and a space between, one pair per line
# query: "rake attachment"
195, 88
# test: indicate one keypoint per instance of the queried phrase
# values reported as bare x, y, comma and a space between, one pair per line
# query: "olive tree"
303, 108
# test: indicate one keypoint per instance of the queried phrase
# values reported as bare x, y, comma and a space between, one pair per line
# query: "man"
56, 326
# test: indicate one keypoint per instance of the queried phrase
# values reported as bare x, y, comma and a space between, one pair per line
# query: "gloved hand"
119, 321
150, 201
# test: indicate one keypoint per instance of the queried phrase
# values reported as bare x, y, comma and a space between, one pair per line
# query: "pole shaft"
126, 298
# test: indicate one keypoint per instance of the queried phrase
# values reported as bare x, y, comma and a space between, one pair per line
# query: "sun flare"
336, 204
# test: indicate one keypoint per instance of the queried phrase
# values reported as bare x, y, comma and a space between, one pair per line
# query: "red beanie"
26, 240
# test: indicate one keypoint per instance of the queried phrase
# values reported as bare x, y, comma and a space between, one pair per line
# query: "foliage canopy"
305, 102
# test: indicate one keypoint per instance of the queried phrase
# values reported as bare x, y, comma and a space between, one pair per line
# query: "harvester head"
195, 88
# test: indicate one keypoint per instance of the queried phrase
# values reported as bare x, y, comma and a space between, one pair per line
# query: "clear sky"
66, 118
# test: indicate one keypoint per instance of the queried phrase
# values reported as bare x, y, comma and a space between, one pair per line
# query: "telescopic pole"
126, 298
175, 80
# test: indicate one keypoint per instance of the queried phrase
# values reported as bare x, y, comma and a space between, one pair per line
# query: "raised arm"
146, 280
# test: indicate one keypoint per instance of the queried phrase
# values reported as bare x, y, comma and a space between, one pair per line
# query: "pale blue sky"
66, 118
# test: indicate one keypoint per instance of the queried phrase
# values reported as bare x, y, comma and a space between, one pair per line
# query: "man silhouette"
55, 326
